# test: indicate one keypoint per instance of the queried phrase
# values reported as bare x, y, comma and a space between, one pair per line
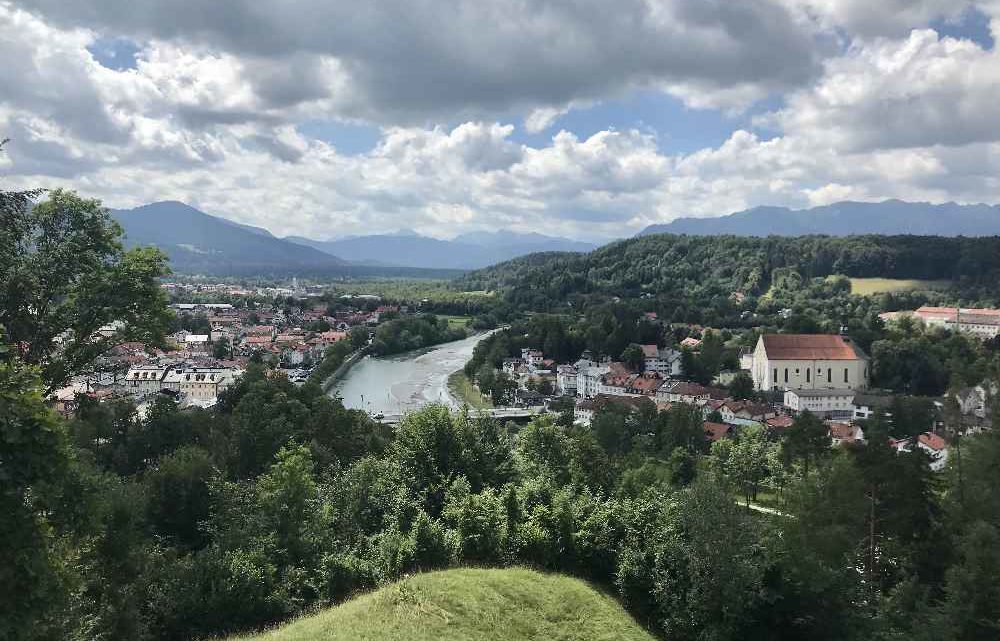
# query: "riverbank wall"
348, 363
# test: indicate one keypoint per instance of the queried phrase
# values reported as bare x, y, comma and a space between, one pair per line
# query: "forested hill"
701, 268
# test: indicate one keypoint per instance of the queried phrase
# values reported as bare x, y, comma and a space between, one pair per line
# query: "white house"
982, 323
532, 357
588, 377
566, 378
827, 403
865, 405
666, 362
808, 361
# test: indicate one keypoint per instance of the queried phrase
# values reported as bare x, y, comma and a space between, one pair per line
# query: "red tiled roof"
715, 431
932, 441
843, 431
650, 351
808, 347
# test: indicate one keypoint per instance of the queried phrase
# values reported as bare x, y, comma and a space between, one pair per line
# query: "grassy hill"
467, 604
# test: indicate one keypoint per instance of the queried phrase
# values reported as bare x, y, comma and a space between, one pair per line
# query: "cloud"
919, 91
210, 111
403, 62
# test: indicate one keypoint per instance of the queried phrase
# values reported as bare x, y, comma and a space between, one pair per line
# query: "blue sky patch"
118, 54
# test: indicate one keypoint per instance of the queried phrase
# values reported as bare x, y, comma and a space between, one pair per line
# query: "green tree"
634, 358
806, 441
741, 388
64, 275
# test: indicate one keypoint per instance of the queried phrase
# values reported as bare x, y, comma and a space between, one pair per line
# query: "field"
465, 392
454, 322
869, 286
452, 605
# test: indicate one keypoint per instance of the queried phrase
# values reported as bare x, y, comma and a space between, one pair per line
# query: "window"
775, 374
845, 375
786, 374
829, 374
808, 374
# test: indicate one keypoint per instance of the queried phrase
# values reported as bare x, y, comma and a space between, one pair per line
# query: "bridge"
503, 413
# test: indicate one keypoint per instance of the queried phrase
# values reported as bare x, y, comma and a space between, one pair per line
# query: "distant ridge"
198, 243
468, 251
846, 218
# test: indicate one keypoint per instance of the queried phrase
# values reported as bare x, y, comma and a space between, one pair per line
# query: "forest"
714, 280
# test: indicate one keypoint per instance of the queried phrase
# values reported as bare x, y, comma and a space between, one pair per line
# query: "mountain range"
845, 219
467, 251
197, 242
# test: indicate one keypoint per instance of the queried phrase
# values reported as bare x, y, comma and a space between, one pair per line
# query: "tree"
34, 457
806, 441
634, 358
741, 388
220, 348
64, 275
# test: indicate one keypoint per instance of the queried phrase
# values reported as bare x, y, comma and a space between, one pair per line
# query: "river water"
403, 382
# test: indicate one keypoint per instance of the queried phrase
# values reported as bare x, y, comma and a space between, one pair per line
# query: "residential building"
866, 405
144, 379
845, 433
716, 431
826, 403
936, 448
745, 412
566, 378
664, 361
982, 323
588, 377
808, 361
197, 342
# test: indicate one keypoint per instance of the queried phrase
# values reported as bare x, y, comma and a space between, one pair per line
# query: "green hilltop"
453, 605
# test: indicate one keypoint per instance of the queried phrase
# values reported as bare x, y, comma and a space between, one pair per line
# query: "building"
745, 412
808, 361
866, 405
716, 431
845, 433
936, 449
532, 357
588, 377
983, 323
200, 385
566, 378
666, 362
197, 342
826, 403
144, 379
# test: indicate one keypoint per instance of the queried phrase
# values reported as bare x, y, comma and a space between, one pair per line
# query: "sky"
587, 119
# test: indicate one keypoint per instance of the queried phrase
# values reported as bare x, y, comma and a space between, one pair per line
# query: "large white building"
588, 377
828, 403
808, 361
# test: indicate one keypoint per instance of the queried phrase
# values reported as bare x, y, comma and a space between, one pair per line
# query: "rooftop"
810, 347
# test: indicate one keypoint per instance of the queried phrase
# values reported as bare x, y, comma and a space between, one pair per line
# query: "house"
144, 379
866, 405
616, 381
664, 361
691, 393
808, 361
200, 385
825, 403
197, 342
510, 365
845, 433
566, 377
745, 412
778, 424
588, 377
532, 357
644, 384
585, 409
936, 449
716, 431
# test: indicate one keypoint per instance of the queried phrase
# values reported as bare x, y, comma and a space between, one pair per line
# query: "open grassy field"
467, 604
465, 392
456, 321
869, 286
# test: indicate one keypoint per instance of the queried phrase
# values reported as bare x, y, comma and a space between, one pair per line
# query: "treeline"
193, 524
413, 332
692, 272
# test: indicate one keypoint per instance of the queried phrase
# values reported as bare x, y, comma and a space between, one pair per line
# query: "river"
404, 382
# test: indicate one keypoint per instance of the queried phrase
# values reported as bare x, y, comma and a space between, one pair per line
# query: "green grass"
465, 392
456, 321
470, 604
869, 286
